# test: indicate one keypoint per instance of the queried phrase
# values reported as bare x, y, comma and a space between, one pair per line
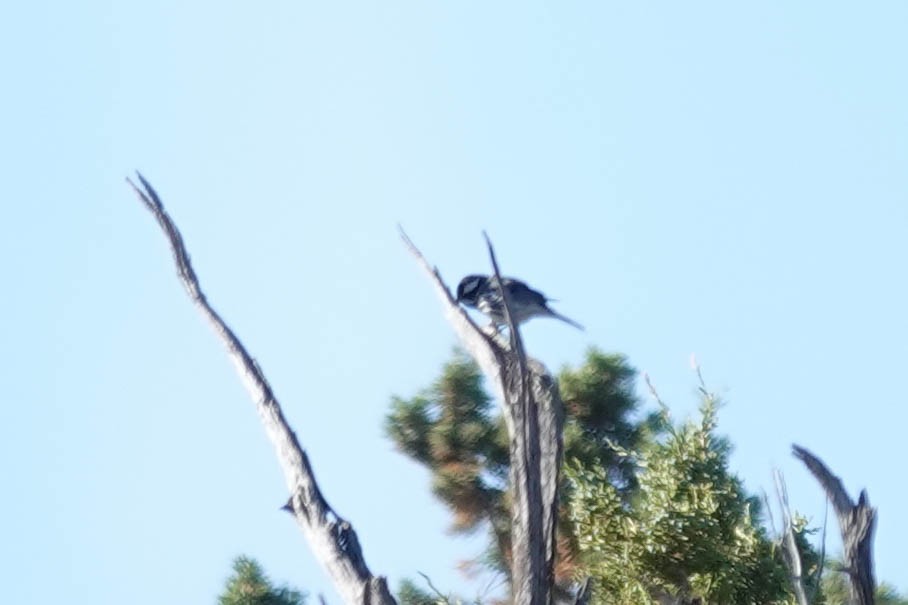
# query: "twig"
487, 350
513, 331
496, 579
439, 593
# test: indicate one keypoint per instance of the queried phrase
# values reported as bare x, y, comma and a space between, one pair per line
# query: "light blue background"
712, 178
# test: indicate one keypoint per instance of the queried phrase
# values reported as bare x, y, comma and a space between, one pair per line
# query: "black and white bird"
481, 292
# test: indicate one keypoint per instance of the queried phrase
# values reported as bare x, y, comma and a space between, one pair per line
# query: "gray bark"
534, 416
789, 545
584, 592
856, 522
331, 537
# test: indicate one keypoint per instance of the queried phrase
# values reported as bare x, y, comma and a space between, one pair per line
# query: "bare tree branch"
534, 416
821, 565
584, 592
529, 538
332, 538
485, 348
516, 344
856, 523
789, 545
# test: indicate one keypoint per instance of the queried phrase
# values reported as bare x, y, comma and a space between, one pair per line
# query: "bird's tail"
567, 320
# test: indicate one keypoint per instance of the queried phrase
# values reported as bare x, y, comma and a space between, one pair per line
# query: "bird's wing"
523, 291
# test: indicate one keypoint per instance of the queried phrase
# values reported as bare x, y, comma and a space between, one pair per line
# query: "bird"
481, 292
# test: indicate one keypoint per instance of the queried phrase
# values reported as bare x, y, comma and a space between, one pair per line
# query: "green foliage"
600, 404
836, 591
810, 559
649, 508
411, 594
689, 529
887, 594
456, 431
450, 429
250, 586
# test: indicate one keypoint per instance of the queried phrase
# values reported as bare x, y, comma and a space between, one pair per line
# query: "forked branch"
332, 538
856, 522
534, 417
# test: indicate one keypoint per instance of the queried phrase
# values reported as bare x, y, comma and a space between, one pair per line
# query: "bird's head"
469, 289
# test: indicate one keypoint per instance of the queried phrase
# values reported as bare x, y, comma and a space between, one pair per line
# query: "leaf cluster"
689, 531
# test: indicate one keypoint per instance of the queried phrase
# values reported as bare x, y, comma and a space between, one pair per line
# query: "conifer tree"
248, 585
455, 430
689, 532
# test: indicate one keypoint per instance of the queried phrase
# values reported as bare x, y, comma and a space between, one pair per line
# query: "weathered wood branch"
528, 472
485, 348
331, 538
584, 592
534, 416
856, 523
821, 564
789, 545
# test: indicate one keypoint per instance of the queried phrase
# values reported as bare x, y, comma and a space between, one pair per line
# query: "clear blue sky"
685, 178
